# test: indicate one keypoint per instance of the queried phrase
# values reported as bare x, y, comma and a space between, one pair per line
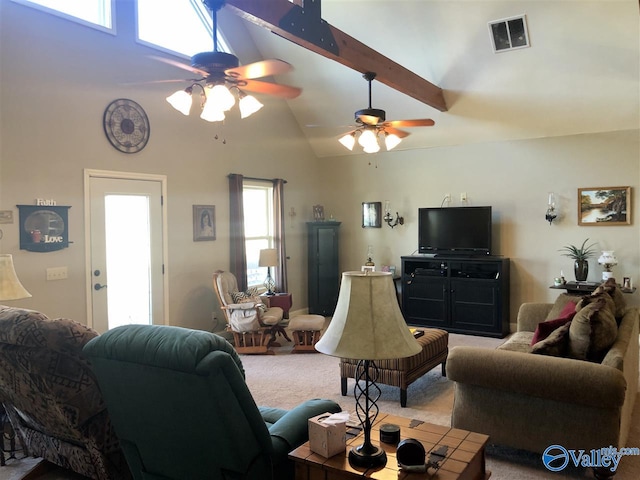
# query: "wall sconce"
551, 214
388, 218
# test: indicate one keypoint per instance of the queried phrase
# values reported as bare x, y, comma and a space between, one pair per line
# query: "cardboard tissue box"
327, 433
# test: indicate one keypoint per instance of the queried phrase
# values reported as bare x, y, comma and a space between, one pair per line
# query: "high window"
258, 226
180, 26
93, 12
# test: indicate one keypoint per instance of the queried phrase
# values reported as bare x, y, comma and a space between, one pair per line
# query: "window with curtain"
259, 227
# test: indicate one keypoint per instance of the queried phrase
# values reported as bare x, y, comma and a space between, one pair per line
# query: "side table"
585, 287
464, 460
282, 300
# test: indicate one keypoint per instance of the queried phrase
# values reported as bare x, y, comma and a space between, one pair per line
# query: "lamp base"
371, 457
606, 275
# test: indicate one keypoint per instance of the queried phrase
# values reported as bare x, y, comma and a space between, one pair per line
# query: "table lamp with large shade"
10, 286
367, 325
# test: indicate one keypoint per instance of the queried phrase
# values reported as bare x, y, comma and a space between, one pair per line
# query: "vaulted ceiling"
580, 74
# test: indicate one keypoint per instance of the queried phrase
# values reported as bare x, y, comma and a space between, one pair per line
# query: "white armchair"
253, 325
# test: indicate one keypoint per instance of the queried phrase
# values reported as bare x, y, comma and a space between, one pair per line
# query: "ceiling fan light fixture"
248, 105
181, 100
368, 139
221, 97
348, 140
373, 148
212, 114
391, 140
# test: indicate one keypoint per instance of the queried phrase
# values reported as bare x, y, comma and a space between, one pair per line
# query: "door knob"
97, 286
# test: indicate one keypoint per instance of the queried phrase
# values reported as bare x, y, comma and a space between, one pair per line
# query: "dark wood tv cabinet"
461, 295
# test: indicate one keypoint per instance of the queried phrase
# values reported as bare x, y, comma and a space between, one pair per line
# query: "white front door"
126, 249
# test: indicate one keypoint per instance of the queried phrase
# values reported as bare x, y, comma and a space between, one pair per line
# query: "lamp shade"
367, 323
10, 286
268, 258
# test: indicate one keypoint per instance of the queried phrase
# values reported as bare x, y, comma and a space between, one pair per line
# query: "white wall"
514, 178
56, 79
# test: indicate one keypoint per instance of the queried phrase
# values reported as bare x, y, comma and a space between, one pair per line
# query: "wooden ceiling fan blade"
264, 68
181, 65
395, 131
419, 122
282, 91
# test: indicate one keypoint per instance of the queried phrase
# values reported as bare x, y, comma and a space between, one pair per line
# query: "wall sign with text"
44, 228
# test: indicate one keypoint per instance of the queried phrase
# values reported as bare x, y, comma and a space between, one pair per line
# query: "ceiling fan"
371, 122
221, 73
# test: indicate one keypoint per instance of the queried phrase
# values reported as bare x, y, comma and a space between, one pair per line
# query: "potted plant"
581, 257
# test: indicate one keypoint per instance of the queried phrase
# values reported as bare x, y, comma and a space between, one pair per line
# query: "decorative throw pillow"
241, 297
612, 288
555, 345
560, 303
544, 329
593, 330
597, 297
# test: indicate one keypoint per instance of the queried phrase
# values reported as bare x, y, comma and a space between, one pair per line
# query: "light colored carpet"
284, 380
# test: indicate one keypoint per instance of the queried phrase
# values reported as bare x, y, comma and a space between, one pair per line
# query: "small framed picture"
371, 214
204, 223
318, 213
626, 283
368, 268
604, 206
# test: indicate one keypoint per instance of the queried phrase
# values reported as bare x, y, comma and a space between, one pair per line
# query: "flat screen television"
454, 230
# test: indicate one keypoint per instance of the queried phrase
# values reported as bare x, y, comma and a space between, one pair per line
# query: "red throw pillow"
544, 329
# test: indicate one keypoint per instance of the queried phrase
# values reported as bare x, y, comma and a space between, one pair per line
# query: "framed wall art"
318, 213
604, 206
204, 223
372, 214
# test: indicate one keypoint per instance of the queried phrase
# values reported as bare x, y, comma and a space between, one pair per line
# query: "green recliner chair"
182, 410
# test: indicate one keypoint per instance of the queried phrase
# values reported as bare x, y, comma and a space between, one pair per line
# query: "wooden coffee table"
464, 460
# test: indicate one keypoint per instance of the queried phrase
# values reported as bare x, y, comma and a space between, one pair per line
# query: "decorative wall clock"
126, 125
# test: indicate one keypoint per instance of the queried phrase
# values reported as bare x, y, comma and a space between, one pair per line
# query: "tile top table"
464, 460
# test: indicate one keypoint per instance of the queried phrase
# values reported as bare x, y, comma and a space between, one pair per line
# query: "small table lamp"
367, 325
10, 286
269, 258
607, 260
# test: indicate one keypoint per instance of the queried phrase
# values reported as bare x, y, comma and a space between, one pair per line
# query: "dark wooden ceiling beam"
305, 27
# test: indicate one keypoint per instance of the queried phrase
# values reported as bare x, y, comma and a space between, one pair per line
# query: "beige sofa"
530, 402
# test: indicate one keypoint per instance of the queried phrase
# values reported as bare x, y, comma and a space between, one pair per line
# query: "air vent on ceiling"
509, 33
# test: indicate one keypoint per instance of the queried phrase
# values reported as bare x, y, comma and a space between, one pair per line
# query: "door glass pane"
128, 248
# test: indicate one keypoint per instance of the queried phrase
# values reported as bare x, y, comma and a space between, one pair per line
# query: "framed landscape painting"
604, 206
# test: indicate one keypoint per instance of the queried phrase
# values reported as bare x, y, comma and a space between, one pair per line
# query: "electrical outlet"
463, 197
447, 197
57, 273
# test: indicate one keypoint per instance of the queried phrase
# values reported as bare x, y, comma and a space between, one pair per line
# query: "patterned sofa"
52, 397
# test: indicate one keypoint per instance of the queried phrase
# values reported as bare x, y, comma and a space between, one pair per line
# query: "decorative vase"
581, 270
